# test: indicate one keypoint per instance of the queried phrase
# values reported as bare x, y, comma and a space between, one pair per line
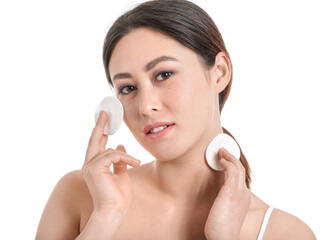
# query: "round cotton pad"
221, 140
113, 107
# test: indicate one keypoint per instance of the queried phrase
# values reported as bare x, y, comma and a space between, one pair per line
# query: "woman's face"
159, 80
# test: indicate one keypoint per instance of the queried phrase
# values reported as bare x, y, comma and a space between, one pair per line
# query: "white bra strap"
265, 222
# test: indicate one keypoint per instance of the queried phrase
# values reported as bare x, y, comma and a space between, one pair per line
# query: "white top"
265, 222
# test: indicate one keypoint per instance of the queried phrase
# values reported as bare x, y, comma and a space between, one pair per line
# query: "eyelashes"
121, 90
161, 76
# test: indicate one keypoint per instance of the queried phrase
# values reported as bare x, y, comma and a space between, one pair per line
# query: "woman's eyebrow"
154, 62
147, 67
121, 76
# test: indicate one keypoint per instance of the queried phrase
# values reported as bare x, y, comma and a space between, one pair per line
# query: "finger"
231, 158
228, 166
125, 159
98, 140
233, 173
118, 158
102, 165
103, 143
108, 152
121, 148
120, 168
223, 153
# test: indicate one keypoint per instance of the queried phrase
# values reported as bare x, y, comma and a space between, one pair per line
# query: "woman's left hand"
229, 209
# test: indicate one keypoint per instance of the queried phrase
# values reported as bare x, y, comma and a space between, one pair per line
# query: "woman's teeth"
157, 129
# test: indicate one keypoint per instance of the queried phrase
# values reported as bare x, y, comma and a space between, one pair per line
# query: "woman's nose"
149, 102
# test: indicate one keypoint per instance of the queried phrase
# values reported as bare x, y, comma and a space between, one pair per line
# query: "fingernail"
120, 146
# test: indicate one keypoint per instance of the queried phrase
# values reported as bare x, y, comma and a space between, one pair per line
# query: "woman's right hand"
111, 192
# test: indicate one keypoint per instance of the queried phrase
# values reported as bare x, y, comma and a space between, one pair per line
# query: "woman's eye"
126, 89
163, 75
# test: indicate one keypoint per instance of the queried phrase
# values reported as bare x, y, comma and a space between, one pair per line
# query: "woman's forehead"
142, 46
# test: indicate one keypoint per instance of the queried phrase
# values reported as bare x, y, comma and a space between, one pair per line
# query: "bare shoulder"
74, 181
73, 185
73, 190
61, 216
283, 225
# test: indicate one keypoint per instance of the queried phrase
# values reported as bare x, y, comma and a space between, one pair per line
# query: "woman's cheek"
181, 91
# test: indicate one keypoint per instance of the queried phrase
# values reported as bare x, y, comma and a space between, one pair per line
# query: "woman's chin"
168, 154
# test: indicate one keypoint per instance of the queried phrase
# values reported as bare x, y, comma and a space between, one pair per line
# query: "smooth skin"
177, 196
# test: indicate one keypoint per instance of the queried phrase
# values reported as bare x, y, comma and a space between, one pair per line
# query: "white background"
52, 79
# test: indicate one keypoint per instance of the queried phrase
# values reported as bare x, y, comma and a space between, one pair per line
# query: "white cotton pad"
221, 140
113, 107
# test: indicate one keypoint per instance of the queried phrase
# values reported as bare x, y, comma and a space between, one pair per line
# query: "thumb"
120, 147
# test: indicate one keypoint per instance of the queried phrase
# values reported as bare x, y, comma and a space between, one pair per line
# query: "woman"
168, 65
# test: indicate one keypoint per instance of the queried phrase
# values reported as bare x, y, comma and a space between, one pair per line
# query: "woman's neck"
188, 179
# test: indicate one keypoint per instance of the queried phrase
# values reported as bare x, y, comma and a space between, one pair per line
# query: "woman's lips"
149, 127
160, 133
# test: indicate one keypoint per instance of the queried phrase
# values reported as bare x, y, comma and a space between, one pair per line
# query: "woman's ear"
222, 72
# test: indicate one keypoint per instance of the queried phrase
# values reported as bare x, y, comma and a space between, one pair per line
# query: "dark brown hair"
183, 21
